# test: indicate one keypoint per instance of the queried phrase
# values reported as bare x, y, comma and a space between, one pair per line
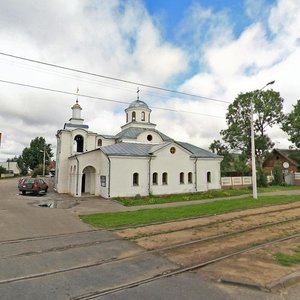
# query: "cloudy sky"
209, 48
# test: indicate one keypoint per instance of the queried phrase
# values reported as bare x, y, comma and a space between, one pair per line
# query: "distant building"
288, 160
11, 167
139, 160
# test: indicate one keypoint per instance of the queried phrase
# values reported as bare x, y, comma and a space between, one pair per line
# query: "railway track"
104, 292
271, 232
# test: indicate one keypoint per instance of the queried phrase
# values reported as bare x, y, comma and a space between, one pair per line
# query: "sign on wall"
103, 180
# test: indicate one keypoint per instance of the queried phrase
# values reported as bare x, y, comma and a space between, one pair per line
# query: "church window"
181, 178
208, 177
172, 150
154, 178
143, 116
99, 143
126, 117
79, 143
133, 116
135, 179
165, 178
190, 177
149, 137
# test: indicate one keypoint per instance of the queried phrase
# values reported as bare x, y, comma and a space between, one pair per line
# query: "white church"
139, 160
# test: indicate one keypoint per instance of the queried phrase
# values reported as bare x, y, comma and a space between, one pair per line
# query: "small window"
135, 179
172, 150
143, 116
181, 178
208, 177
190, 177
133, 116
154, 178
99, 143
126, 117
165, 178
149, 137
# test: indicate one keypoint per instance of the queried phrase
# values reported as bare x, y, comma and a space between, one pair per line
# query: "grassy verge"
148, 216
288, 259
135, 201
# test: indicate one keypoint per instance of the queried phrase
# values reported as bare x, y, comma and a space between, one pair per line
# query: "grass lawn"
148, 216
288, 259
135, 201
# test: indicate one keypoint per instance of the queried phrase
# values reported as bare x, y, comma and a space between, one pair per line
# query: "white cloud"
119, 39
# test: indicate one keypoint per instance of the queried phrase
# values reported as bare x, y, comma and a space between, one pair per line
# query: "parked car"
32, 185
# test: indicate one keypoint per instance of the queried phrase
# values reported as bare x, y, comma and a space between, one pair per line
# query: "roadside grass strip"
288, 260
116, 220
148, 200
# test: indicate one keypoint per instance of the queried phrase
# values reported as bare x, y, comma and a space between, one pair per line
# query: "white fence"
236, 181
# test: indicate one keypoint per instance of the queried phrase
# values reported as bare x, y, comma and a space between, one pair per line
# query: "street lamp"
253, 163
44, 160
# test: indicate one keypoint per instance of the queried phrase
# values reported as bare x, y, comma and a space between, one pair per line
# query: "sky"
208, 48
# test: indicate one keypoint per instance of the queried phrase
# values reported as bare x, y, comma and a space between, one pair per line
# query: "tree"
34, 155
2, 170
222, 150
267, 107
292, 125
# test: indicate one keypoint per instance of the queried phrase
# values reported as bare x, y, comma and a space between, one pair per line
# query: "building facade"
139, 160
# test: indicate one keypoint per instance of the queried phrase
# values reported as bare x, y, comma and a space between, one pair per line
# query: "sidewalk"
94, 204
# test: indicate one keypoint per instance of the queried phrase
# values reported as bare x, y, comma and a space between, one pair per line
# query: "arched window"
135, 179
126, 117
79, 143
190, 177
181, 178
154, 178
99, 143
133, 116
143, 116
165, 178
208, 177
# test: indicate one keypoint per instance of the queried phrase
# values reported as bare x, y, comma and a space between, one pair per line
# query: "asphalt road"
50, 254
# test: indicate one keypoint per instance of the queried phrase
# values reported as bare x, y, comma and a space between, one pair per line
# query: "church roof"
127, 149
137, 149
138, 104
134, 132
196, 151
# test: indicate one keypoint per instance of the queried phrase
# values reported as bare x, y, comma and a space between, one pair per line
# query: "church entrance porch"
88, 180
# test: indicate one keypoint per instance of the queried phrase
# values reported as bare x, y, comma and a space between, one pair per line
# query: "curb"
282, 283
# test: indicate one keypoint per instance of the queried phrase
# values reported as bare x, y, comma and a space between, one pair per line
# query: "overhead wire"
112, 78
100, 98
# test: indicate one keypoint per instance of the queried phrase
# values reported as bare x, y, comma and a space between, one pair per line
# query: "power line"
111, 78
100, 98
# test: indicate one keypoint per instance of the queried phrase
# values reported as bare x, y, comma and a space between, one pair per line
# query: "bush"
261, 179
277, 175
38, 171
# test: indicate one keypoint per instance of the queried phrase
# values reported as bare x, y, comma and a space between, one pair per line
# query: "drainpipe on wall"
196, 174
77, 175
149, 175
109, 172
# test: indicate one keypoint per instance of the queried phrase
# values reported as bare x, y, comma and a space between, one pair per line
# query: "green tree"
33, 155
267, 108
2, 170
218, 148
292, 125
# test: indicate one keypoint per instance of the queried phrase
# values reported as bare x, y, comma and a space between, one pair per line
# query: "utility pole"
253, 162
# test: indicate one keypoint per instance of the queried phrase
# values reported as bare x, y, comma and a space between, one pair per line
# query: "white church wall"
173, 165
205, 166
145, 137
122, 170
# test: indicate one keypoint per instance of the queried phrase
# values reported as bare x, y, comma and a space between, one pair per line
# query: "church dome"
138, 104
